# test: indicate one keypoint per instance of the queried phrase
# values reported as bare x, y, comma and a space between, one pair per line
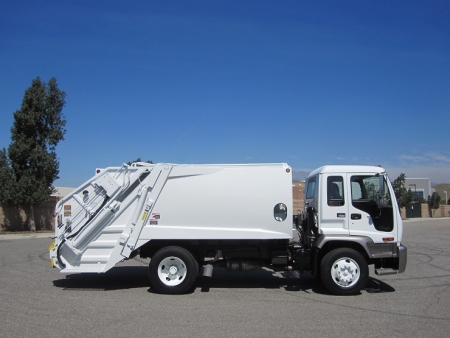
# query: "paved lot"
37, 301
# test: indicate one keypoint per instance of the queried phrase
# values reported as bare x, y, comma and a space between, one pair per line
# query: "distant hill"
440, 188
299, 175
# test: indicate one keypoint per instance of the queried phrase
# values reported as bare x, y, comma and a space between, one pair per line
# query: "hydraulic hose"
61, 264
90, 218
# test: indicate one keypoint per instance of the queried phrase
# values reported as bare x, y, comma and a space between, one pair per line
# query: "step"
385, 271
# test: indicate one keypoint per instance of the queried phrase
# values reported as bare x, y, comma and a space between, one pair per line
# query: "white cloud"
409, 158
436, 174
438, 157
430, 157
432, 165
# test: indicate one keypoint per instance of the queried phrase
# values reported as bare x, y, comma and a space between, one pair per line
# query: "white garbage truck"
186, 218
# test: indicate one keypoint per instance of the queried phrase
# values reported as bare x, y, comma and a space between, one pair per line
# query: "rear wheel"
344, 271
173, 270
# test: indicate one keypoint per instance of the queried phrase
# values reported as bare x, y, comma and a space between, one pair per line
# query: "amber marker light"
288, 170
388, 239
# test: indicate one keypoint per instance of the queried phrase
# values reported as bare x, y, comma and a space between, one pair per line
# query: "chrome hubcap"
345, 272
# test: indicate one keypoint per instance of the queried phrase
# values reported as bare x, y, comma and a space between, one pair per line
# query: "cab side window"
311, 188
335, 191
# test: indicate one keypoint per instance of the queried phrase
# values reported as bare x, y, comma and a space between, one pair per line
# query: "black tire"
172, 270
344, 271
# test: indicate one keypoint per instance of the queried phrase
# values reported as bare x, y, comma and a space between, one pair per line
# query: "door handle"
355, 216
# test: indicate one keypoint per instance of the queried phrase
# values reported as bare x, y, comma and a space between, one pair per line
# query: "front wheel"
344, 271
173, 270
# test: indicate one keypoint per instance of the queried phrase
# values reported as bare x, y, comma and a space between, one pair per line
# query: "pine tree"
38, 127
6, 178
433, 202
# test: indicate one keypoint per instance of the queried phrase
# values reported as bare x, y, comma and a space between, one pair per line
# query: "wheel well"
329, 246
152, 247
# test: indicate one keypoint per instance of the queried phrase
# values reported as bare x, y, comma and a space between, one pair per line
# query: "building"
420, 187
298, 195
61, 192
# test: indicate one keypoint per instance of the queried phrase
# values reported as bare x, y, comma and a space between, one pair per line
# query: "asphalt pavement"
38, 301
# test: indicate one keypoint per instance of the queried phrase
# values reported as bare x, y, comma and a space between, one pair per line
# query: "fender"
373, 250
364, 242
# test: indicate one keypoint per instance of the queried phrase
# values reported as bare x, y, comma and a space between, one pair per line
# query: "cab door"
334, 208
371, 212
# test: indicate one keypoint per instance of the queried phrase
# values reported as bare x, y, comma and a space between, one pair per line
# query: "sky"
309, 83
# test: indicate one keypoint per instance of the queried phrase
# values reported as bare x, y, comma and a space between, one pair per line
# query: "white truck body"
171, 202
238, 216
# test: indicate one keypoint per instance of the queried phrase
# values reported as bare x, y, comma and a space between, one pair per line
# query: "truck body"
235, 216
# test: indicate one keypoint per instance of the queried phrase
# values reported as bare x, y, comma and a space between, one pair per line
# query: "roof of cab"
339, 169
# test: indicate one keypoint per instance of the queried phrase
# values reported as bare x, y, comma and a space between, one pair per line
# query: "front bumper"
402, 258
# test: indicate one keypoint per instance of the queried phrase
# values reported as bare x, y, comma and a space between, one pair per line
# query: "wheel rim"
171, 271
345, 272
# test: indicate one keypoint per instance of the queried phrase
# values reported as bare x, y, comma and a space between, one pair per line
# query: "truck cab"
352, 208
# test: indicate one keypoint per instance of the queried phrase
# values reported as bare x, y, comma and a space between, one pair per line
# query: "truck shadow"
376, 286
118, 278
130, 277
287, 280
259, 278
